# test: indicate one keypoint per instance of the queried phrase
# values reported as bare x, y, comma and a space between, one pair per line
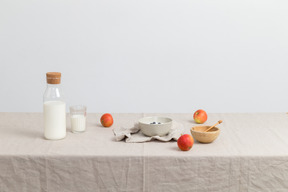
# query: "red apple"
200, 116
185, 142
106, 120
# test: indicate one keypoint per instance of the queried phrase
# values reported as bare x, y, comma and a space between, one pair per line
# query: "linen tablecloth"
251, 154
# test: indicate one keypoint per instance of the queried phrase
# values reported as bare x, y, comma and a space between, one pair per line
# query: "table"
251, 154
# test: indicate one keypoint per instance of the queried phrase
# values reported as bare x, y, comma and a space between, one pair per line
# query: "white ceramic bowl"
150, 129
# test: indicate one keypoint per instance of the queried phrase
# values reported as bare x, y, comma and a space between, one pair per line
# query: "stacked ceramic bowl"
155, 126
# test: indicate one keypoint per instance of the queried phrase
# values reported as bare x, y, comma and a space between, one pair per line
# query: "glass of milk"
78, 118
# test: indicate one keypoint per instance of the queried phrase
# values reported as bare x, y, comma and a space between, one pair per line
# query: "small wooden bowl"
204, 137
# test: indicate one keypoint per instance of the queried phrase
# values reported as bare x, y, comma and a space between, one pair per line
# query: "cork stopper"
53, 77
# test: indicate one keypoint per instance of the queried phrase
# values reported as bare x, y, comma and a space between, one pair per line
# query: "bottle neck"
53, 85
53, 92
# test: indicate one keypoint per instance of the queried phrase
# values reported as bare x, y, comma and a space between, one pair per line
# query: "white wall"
146, 55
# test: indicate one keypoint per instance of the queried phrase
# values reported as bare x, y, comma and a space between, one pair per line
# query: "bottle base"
55, 138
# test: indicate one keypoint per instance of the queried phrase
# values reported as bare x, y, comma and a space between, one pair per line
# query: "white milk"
78, 123
54, 120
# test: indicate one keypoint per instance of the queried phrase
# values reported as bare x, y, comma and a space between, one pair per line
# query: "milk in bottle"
54, 108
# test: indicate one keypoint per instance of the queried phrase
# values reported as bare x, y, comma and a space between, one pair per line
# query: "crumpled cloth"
134, 135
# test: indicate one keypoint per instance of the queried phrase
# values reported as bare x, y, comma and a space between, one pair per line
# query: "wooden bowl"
204, 137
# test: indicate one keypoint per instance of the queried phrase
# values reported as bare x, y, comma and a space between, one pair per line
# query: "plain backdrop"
146, 55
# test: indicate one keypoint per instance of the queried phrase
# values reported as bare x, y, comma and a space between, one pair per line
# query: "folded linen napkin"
134, 135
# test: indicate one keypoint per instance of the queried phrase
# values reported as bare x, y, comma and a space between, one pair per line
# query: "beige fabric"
251, 154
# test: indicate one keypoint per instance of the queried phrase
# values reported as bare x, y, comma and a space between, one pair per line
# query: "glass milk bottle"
54, 108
